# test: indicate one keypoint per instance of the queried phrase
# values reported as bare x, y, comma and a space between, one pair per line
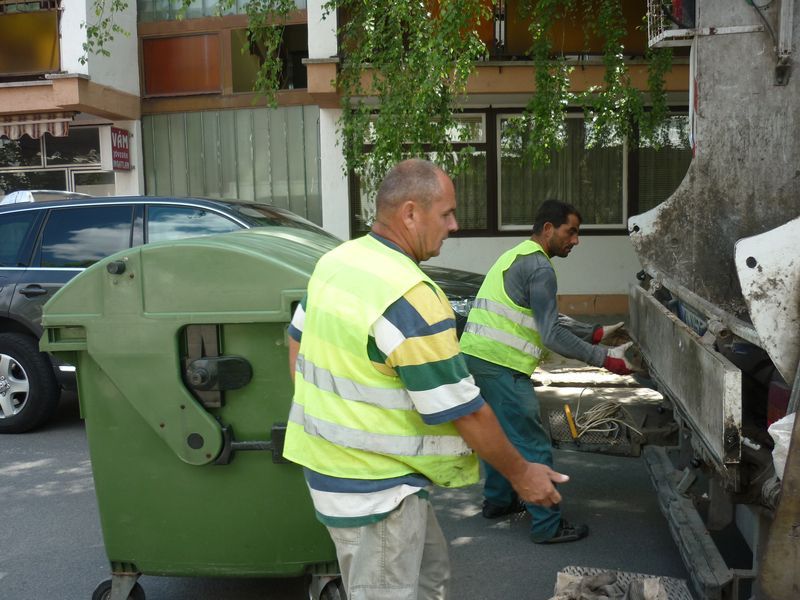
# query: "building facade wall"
601, 267
120, 69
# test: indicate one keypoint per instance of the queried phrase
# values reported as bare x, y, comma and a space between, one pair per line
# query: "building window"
607, 183
247, 57
24, 152
71, 163
166, 10
661, 169
471, 134
81, 147
32, 180
94, 183
590, 178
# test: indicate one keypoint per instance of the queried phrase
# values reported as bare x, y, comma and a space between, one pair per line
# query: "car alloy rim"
14, 387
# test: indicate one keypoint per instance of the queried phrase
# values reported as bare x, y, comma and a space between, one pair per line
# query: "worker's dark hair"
555, 212
412, 179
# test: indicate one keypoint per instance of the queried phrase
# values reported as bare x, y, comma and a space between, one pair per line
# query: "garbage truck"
716, 311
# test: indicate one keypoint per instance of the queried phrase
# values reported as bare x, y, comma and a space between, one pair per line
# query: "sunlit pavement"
495, 560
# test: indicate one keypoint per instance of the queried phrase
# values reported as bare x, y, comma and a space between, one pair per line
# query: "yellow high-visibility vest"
347, 419
499, 330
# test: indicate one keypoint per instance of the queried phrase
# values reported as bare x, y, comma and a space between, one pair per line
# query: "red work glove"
603, 332
616, 361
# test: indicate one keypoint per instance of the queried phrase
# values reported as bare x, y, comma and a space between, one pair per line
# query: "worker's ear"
547, 229
408, 213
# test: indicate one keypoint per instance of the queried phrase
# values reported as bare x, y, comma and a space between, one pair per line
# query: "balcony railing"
167, 10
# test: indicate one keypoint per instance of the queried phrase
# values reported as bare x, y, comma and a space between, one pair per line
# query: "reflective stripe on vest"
505, 311
350, 390
348, 419
504, 338
498, 330
421, 445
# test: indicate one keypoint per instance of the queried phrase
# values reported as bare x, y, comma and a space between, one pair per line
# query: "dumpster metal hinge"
274, 445
218, 373
202, 341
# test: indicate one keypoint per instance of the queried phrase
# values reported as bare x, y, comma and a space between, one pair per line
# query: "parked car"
44, 244
39, 196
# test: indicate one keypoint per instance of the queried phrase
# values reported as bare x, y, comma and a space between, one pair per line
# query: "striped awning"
35, 125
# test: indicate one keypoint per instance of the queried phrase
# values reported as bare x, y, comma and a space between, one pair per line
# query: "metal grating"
559, 433
662, 32
676, 588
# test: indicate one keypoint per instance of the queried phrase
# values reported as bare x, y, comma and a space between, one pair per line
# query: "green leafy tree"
405, 64
103, 29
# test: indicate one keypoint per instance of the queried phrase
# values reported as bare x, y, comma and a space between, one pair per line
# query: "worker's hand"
616, 362
535, 485
603, 333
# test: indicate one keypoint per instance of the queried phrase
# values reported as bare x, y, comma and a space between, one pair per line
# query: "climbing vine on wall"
414, 58
614, 109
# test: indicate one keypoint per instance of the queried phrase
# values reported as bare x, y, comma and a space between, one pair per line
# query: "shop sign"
120, 149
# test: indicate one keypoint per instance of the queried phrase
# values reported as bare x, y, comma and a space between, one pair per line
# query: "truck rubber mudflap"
711, 578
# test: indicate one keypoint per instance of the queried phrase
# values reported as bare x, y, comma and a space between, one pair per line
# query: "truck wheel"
29, 392
103, 591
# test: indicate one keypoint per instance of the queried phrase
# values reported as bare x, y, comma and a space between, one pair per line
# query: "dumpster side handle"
274, 444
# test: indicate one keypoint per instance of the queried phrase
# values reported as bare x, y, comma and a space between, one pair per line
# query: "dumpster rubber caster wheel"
334, 590
103, 591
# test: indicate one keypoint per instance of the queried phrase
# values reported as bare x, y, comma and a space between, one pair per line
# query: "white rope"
606, 417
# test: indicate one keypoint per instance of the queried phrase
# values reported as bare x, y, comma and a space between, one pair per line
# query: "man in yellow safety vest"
384, 406
514, 318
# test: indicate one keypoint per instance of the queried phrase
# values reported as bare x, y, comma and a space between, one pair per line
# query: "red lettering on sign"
120, 149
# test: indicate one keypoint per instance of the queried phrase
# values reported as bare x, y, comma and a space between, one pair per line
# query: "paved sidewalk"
494, 560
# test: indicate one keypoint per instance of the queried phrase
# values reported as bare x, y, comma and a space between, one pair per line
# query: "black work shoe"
567, 532
493, 511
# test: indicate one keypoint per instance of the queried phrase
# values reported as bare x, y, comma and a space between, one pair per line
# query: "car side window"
78, 237
17, 231
177, 222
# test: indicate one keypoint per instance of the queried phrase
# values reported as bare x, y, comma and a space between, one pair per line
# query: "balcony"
29, 39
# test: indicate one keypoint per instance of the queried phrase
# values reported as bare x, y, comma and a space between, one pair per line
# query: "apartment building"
177, 93
63, 118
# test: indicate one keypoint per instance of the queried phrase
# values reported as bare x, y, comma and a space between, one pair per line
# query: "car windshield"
263, 215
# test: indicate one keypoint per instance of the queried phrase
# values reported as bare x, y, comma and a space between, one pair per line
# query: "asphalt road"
51, 545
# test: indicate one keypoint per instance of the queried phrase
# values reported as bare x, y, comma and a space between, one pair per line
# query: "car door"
72, 239
18, 232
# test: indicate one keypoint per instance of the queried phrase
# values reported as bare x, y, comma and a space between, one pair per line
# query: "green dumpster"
181, 352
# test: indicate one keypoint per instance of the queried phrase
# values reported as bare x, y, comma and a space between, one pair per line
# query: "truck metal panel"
706, 388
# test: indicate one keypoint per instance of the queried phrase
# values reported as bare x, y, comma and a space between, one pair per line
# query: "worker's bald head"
414, 179
416, 205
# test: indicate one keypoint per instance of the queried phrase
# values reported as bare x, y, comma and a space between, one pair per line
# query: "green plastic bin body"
165, 507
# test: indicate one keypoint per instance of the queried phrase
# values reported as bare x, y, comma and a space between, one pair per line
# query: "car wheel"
29, 392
